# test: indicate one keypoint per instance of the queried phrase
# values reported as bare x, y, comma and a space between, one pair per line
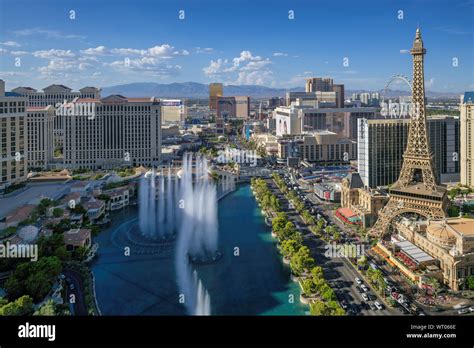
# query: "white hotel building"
40, 135
54, 95
121, 132
13, 149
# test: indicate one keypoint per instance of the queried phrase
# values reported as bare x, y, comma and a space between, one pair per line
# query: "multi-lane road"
338, 270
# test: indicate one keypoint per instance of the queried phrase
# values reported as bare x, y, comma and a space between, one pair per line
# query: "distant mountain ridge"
201, 90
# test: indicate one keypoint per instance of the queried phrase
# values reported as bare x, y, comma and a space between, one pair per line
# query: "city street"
74, 279
338, 271
33, 193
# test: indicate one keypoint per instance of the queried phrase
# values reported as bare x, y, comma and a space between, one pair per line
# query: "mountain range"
200, 90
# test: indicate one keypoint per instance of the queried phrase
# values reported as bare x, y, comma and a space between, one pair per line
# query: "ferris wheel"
398, 77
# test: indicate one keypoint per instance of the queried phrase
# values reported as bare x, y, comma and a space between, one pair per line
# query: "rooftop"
415, 253
468, 97
76, 235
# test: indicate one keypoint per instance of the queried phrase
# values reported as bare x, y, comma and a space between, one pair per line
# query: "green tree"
362, 262
48, 309
104, 197
21, 306
317, 273
470, 282
307, 286
79, 209
319, 308
287, 232
335, 308
33, 278
279, 222
301, 261
327, 292
453, 211
435, 285
57, 212
289, 247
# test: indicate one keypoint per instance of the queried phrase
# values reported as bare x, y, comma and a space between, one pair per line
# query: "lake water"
250, 279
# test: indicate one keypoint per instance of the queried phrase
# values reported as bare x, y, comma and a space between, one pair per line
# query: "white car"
365, 297
463, 311
471, 309
378, 305
358, 281
365, 288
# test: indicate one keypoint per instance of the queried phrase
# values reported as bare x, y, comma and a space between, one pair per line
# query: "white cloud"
404, 51
254, 77
280, 54
52, 34
244, 69
13, 53
53, 53
58, 65
96, 51
10, 44
430, 83
204, 50
148, 65
299, 79
18, 53
218, 67
246, 56
164, 51
127, 51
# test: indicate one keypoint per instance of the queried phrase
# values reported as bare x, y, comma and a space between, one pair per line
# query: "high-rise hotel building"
215, 90
326, 84
382, 142
40, 135
119, 132
54, 95
467, 139
13, 146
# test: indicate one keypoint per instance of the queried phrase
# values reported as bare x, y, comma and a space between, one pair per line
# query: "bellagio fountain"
183, 207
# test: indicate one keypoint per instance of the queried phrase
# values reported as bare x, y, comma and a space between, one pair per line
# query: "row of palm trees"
268, 201
302, 265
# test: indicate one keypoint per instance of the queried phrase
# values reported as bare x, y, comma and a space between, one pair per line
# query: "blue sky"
233, 41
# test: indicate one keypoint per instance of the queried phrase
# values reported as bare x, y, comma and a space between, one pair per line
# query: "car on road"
471, 309
365, 297
372, 306
364, 287
344, 304
403, 310
358, 281
364, 305
378, 305
371, 296
463, 310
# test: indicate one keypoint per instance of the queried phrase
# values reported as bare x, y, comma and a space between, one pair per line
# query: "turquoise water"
250, 279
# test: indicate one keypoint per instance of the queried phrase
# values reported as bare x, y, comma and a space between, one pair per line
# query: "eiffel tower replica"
417, 189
